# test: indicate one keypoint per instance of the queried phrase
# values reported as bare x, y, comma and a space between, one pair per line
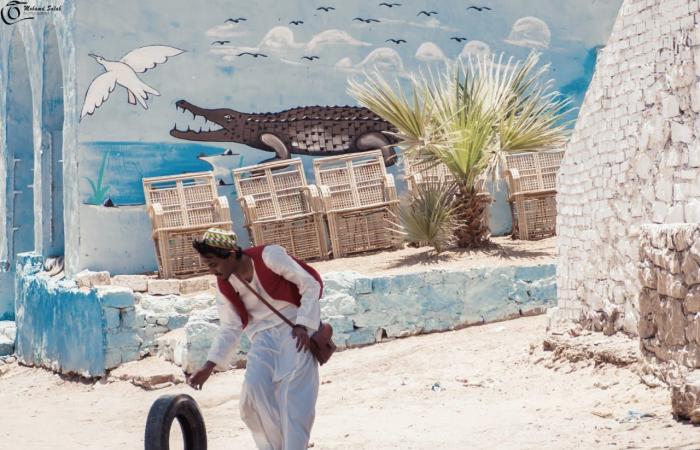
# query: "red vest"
276, 286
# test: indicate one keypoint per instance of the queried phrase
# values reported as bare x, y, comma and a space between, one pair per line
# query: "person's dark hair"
205, 249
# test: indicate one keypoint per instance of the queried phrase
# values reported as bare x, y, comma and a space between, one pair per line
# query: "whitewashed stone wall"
634, 158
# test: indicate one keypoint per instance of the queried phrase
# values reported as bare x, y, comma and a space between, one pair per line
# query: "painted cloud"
475, 48
382, 59
429, 52
530, 32
332, 37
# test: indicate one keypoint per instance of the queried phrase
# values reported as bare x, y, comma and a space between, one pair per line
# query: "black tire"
161, 416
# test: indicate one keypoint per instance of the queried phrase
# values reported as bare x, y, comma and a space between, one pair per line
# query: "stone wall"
364, 310
669, 304
634, 158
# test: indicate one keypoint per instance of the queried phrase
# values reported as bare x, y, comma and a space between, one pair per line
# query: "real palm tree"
468, 116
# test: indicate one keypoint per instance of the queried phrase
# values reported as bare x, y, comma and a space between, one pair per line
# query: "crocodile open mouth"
205, 127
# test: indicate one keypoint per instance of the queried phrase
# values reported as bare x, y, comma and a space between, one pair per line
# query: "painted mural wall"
135, 60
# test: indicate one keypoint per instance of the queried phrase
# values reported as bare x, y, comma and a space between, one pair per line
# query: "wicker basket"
531, 181
360, 202
281, 208
181, 208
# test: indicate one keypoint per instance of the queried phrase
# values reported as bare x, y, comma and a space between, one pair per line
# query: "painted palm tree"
468, 116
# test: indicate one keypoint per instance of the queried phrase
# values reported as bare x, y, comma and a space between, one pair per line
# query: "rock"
195, 285
163, 287
691, 270
692, 300
137, 283
671, 285
7, 346
647, 274
685, 396
8, 329
149, 373
88, 279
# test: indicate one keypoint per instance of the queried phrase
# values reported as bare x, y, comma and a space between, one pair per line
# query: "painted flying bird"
427, 13
220, 42
240, 19
254, 55
325, 8
296, 22
366, 20
390, 5
459, 39
396, 41
123, 73
310, 58
479, 8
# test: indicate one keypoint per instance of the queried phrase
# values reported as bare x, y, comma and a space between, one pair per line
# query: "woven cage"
182, 207
531, 181
539, 214
360, 202
280, 208
419, 171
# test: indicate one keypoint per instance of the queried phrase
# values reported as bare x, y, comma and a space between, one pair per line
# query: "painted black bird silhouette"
296, 22
366, 20
396, 41
427, 13
220, 42
254, 55
325, 8
479, 8
240, 19
458, 39
310, 58
390, 5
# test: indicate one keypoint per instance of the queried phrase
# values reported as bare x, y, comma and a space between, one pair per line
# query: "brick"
192, 285
137, 283
115, 296
163, 287
88, 279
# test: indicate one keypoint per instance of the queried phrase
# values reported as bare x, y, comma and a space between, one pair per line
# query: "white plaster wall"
634, 158
32, 34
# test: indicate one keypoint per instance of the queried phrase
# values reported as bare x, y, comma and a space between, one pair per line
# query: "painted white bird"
123, 73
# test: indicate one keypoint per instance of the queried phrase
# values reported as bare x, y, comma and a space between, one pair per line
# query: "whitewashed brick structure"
634, 158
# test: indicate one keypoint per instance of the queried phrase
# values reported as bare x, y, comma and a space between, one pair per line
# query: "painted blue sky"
565, 31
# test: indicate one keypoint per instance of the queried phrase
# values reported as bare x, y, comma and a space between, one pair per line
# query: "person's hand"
197, 380
303, 340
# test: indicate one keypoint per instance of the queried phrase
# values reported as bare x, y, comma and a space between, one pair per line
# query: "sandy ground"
496, 388
503, 252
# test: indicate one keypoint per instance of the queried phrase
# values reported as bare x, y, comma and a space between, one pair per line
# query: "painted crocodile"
307, 130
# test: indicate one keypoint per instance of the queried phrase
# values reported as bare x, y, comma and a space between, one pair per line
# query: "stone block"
123, 339
89, 279
362, 336
671, 324
341, 324
685, 398
691, 270
163, 287
692, 330
115, 296
692, 300
363, 286
647, 275
192, 285
8, 329
7, 346
671, 285
647, 328
667, 259
127, 317
113, 358
112, 318
647, 299
137, 283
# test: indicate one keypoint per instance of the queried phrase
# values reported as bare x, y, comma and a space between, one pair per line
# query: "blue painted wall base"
72, 330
